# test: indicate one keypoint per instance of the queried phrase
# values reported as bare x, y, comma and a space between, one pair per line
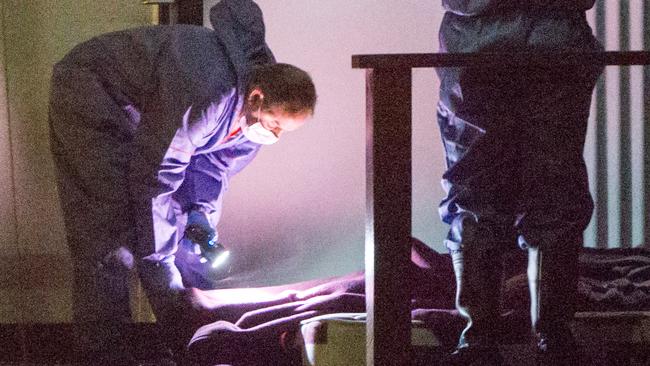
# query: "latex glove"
198, 229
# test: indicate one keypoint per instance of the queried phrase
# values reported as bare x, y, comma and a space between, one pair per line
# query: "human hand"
198, 229
335, 302
353, 283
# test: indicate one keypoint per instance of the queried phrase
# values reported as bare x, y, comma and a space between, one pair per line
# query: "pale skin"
274, 119
231, 304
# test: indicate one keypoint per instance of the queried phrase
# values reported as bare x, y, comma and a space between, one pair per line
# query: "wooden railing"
388, 180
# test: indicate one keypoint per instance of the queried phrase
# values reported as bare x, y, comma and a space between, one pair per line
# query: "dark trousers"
516, 175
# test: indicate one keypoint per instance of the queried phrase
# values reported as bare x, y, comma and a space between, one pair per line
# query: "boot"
478, 275
474, 356
552, 280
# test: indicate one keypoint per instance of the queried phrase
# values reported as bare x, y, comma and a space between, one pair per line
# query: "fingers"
335, 302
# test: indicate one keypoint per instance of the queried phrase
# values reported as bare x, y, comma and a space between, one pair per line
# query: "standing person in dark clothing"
514, 142
147, 127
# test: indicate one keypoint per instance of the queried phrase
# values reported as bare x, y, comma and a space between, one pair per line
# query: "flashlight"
215, 254
205, 247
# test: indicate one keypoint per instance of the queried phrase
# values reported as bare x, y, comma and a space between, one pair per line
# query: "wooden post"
388, 215
646, 128
602, 190
190, 12
625, 133
178, 11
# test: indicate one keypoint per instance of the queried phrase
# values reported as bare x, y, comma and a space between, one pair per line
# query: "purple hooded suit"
139, 124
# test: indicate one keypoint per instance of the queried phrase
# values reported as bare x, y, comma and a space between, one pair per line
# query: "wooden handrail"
388, 179
486, 59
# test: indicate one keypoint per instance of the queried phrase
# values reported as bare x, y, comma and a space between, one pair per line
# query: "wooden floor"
51, 344
42, 364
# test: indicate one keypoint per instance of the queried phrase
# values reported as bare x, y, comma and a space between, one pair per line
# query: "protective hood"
240, 26
477, 7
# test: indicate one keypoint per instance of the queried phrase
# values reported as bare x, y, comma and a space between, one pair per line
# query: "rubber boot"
478, 275
552, 281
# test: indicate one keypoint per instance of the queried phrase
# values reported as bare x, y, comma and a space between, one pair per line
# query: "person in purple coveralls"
514, 139
147, 126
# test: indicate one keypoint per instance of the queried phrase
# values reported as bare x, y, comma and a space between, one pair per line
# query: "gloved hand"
199, 231
203, 241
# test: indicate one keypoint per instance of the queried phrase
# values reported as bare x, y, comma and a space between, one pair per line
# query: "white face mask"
257, 133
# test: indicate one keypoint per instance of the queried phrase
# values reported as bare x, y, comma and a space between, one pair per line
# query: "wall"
298, 211
34, 264
314, 182
317, 174
615, 148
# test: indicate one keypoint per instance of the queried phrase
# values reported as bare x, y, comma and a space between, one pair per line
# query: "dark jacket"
510, 26
478, 7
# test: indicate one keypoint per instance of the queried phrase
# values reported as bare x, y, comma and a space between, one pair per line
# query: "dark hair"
284, 86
